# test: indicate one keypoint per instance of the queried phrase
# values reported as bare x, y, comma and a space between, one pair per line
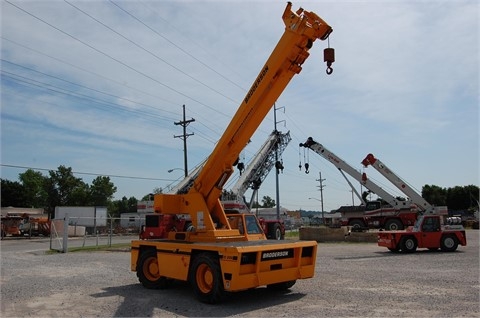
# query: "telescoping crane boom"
261, 164
255, 172
373, 214
214, 253
186, 183
252, 178
362, 178
417, 199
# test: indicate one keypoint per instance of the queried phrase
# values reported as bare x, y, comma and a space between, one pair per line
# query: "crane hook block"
329, 57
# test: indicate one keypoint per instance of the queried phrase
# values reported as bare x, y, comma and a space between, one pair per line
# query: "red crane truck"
429, 232
398, 215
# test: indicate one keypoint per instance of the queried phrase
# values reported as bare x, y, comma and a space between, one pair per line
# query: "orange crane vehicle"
234, 202
216, 254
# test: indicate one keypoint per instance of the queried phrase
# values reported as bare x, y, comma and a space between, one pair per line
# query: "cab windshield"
252, 225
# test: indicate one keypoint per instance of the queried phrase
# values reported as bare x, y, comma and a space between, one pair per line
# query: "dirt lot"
352, 279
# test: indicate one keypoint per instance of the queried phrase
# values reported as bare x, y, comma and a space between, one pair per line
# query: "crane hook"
329, 57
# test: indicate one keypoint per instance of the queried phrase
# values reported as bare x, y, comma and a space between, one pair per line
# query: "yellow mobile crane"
217, 253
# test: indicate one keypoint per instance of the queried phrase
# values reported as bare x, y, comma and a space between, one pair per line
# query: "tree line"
457, 198
61, 188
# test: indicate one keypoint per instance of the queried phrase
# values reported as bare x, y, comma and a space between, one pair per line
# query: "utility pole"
278, 164
321, 186
184, 123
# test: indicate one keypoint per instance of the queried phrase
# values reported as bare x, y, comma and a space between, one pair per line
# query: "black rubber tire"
148, 271
206, 278
394, 225
448, 243
277, 232
282, 285
357, 225
408, 244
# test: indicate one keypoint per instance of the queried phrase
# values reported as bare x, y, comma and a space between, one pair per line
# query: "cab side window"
431, 225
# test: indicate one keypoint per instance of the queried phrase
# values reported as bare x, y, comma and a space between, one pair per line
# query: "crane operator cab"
245, 223
252, 225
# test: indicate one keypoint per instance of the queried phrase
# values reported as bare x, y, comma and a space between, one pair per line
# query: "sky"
98, 85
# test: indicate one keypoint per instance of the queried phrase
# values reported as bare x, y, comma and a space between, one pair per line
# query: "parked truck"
35, 225
396, 214
429, 231
219, 254
376, 215
10, 225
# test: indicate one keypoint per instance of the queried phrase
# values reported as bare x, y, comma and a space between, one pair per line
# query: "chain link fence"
83, 232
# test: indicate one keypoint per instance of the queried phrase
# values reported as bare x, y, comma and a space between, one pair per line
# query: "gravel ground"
352, 279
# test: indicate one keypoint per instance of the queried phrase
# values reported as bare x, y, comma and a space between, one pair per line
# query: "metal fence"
80, 232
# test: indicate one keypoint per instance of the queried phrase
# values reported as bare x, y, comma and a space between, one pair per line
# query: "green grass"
292, 234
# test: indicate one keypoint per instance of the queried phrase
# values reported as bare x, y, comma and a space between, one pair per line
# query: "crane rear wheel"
148, 271
409, 244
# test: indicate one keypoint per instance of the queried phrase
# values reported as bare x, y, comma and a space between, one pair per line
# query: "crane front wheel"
449, 243
206, 278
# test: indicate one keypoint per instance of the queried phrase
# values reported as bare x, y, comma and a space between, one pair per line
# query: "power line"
208, 127
59, 90
89, 72
118, 61
112, 58
178, 47
86, 173
85, 87
184, 123
150, 52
